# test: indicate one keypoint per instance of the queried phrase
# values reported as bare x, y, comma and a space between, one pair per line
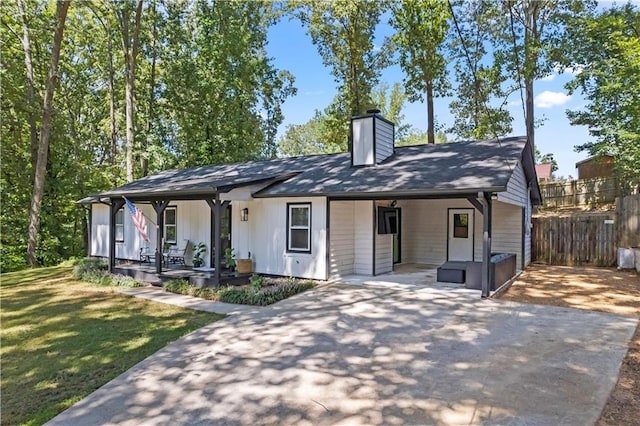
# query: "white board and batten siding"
193, 224
265, 236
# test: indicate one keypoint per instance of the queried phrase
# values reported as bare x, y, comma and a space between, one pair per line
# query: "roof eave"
397, 194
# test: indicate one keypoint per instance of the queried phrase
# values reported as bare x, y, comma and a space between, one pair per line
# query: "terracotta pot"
244, 266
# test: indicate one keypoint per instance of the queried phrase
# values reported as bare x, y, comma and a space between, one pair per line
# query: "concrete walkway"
348, 354
159, 295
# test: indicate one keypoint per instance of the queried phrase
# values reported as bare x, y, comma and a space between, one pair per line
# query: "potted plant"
230, 258
198, 254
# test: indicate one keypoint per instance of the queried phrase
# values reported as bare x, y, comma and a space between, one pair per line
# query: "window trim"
291, 206
174, 225
119, 225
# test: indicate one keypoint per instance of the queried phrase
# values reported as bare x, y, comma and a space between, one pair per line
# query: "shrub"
94, 270
257, 281
255, 294
88, 266
177, 286
263, 296
124, 281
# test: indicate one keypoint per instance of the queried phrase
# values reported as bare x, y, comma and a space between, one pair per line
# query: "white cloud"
548, 99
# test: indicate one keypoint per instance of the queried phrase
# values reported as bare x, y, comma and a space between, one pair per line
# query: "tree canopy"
99, 93
606, 50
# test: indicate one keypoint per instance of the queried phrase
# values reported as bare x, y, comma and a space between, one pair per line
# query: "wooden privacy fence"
586, 238
579, 239
628, 209
580, 192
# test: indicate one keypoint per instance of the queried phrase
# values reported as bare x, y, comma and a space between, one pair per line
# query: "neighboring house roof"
596, 159
543, 171
416, 171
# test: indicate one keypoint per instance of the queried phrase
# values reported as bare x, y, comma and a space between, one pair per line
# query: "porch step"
452, 272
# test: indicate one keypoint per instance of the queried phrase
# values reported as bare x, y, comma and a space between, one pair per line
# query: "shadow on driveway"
373, 355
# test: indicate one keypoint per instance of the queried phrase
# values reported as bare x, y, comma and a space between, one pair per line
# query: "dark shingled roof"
416, 171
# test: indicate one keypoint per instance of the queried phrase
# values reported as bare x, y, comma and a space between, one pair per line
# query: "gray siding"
517, 188
424, 230
384, 140
507, 230
384, 248
527, 233
363, 237
341, 238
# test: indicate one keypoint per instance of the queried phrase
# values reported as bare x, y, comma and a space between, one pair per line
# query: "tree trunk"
531, 36
43, 147
130, 47
144, 162
113, 132
431, 138
26, 45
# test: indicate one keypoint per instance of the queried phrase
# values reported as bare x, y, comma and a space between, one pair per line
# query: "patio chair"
147, 254
177, 255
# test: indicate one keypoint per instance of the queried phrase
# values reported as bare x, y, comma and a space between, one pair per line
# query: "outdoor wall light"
244, 214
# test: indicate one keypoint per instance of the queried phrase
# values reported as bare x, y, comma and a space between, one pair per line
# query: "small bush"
257, 281
95, 271
89, 265
124, 281
177, 286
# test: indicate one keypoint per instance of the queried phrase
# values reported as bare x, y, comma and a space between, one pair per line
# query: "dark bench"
452, 272
502, 269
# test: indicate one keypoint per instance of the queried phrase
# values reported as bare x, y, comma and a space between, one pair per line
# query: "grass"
62, 339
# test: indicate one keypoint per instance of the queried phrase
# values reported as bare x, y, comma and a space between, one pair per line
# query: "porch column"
159, 207
216, 207
485, 200
115, 205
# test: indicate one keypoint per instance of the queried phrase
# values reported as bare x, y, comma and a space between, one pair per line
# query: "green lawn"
62, 339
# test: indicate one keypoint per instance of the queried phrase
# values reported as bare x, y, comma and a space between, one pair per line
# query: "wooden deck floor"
146, 272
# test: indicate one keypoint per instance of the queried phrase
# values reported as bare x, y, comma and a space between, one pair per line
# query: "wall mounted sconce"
244, 214
394, 203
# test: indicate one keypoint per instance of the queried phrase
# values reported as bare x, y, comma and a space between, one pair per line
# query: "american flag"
138, 219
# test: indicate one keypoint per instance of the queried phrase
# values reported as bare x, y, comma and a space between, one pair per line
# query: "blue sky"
292, 49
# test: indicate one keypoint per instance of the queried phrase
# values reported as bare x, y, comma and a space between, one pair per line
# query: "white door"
460, 235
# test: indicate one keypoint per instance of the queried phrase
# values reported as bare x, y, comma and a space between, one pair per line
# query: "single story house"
331, 215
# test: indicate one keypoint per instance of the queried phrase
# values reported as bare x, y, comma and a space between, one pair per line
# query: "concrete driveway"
346, 354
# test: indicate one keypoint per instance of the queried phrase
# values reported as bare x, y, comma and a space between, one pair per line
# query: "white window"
120, 226
171, 225
299, 227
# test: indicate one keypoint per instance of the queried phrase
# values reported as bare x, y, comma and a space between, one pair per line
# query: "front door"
225, 234
460, 235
